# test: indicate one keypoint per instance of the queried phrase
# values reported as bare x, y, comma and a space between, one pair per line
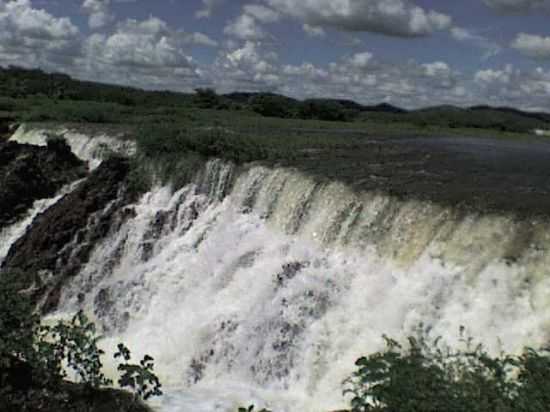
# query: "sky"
410, 53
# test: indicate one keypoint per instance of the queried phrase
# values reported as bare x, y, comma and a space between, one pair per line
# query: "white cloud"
208, 7
248, 25
313, 31
390, 17
31, 36
436, 69
361, 60
30, 23
245, 27
514, 87
261, 13
490, 77
250, 66
518, 6
306, 70
464, 35
99, 13
531, 45
147, 43
200, 39
364, 78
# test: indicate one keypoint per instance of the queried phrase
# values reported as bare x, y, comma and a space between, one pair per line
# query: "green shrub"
75, 111
139, 378
7, 104
273, 106
33, 356
426, 376
170, 140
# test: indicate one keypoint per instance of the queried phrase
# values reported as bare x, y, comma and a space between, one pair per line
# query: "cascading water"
264, 285
90, 148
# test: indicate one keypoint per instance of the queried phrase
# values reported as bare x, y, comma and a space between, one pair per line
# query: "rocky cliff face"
60, 240
29, 173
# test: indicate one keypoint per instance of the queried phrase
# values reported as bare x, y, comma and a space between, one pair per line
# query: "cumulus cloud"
313, 31
99, 13
146, 53
261, 13
248, 25
518, 6
208, 7
30, 36
464, 35
510, 86
200, 39
361, 60
245, 27
364, 78
390, 17
537, 47
147, 43
491, 77
247, 66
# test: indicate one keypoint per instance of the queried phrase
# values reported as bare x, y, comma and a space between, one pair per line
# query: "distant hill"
18, 82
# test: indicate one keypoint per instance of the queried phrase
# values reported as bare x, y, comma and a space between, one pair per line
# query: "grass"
175, 138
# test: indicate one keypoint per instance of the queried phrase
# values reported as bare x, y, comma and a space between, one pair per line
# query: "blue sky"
411, 53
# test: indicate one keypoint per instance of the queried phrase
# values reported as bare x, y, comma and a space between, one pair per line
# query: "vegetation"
41, 96
427, 376
33, 357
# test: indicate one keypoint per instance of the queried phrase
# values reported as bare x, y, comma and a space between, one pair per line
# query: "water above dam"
264, 285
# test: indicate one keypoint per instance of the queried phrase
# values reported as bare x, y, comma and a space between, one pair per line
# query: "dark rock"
289, 271
62, 238
29, 173
68, 397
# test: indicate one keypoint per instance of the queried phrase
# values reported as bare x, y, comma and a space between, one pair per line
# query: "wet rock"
29, 173
62, 238
289, 271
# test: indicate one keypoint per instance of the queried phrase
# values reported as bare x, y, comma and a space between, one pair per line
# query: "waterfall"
263, 285
92, 148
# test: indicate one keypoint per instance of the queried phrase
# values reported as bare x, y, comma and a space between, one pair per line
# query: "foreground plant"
139, 378
34, 358
427, 376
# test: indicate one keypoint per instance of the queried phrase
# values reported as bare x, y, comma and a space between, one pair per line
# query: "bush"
272, 106
7, 104
427, 376
73, 111
324, 110
32, 356
206, 98
139, 378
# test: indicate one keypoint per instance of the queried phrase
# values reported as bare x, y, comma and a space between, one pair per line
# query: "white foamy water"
270, 294
90, 148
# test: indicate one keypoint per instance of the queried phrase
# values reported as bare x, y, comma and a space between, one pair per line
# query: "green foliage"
271, 105
71, 111
7, 104
177, 149
206, 98
324, 110
33, 356
76, 342
427, 376
139, 378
